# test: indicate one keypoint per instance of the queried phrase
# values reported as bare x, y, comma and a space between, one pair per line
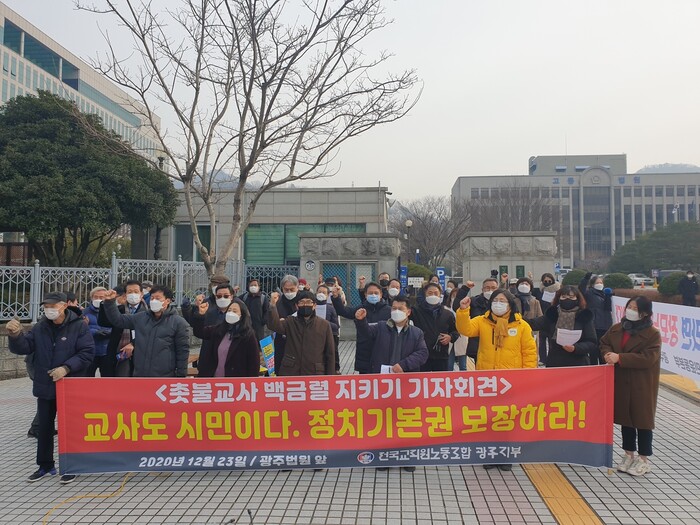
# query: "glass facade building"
31, 61
594, 205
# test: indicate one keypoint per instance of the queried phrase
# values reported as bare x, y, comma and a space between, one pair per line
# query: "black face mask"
568, 304
384, 283
305, 311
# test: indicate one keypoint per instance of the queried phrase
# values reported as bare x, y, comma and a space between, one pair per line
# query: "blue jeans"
461, 361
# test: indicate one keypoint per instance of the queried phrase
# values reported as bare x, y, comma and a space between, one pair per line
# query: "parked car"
639, 279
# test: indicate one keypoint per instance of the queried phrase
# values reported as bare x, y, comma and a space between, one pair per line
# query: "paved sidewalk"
441, 495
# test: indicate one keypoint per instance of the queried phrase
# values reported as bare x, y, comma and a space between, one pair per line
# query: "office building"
595, 204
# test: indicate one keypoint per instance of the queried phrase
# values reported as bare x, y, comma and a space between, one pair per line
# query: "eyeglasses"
305, 303
227, 296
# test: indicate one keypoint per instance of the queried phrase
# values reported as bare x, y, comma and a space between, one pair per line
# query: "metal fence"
22, 287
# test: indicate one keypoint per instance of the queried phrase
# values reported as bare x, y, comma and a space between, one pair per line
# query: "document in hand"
567, 337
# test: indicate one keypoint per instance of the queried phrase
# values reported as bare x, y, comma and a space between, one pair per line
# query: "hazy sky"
507, 79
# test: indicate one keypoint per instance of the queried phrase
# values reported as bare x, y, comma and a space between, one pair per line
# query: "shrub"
669, 284
617, 281
573, 278
418, 270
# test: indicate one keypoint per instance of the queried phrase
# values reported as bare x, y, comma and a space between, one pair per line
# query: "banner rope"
114, 494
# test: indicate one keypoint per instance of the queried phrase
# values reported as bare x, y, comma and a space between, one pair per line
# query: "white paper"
387, 369
548, 297
567, 337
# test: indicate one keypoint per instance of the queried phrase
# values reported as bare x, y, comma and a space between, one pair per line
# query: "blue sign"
403, 277
570, 180
637, 180
557, 267
621, 180
440, 272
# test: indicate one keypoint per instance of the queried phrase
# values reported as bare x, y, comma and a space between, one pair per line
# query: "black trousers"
336, 340
434, 365
632, 437
46, 410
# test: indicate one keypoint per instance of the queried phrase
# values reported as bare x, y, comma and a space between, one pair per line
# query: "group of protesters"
135, 330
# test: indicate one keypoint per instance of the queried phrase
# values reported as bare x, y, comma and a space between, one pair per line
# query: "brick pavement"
441, 495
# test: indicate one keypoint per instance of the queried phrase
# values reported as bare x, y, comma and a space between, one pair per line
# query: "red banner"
506, 416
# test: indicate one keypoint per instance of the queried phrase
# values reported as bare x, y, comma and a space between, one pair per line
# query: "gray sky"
507, 79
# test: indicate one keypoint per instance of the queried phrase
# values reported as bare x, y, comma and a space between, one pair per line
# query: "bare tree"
436, 229
263, 90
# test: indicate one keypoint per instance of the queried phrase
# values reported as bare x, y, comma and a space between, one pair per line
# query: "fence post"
179, 280
114, 271
35, 292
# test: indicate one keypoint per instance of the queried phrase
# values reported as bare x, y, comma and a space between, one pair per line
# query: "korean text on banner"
267, 346
680, 335
508, 416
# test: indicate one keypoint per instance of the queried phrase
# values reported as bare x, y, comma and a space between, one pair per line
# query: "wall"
489, 250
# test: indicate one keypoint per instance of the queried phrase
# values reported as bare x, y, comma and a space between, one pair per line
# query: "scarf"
524, 302
500, 331
567, 318
634, 327
551, 288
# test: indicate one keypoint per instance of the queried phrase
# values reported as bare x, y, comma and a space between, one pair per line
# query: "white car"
639, 279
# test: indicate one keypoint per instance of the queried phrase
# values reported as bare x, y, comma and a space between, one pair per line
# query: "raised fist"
274, 297
504, 278
203, 307
470, 284
336, 291
464, 303
198, 300
110, 294
362, 280
14, 328
360, 314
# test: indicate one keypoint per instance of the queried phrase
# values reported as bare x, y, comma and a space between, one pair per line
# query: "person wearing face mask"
223, 295
121, 343
438, 326
451, 289
62, 345
479, 306
599, 301
258, 304
397, 346
377, 310
568, 312
188, 309
545, 295
633, 346
146, 287
325, 310
100, 334
232, 349
384, 281
505, 339
309, 340
161, 339
688, 288
529, 306
393, 291
286, 306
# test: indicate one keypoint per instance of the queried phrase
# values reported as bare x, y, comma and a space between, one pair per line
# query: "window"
565, 193
627, 192
555, 193
5, 62
637, 191
680, 191
648, 191
4, 90
659, 191
184, 241
669, 191
560, 169
691, 191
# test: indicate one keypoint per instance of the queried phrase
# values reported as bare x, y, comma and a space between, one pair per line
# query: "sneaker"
489, 467
409, 469
382, 468
639, 467
40, 474
506, 467
68, 478
626, 463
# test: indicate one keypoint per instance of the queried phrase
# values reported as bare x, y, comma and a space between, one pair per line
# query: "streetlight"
675, 210
408, 224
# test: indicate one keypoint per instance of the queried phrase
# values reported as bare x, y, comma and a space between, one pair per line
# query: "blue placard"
403, 277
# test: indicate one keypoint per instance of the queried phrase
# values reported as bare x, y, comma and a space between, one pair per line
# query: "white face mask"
254, 289
488, 294
599, 286
96, 303
321, 297
133, 298
689, 275
524, 288
52, 313
223, 302
632, 315
432, 300
156, 305
499, 308
232, 317
448, 290
393, 292
398, 316
290, 295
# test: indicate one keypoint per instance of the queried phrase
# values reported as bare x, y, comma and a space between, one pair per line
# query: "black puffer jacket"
363, 346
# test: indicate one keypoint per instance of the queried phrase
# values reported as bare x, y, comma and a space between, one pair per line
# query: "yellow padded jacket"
519, 349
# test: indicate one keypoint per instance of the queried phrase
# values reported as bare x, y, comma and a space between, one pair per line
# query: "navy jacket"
100, 334
382, 335
69, 344
557, 356
363, 346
